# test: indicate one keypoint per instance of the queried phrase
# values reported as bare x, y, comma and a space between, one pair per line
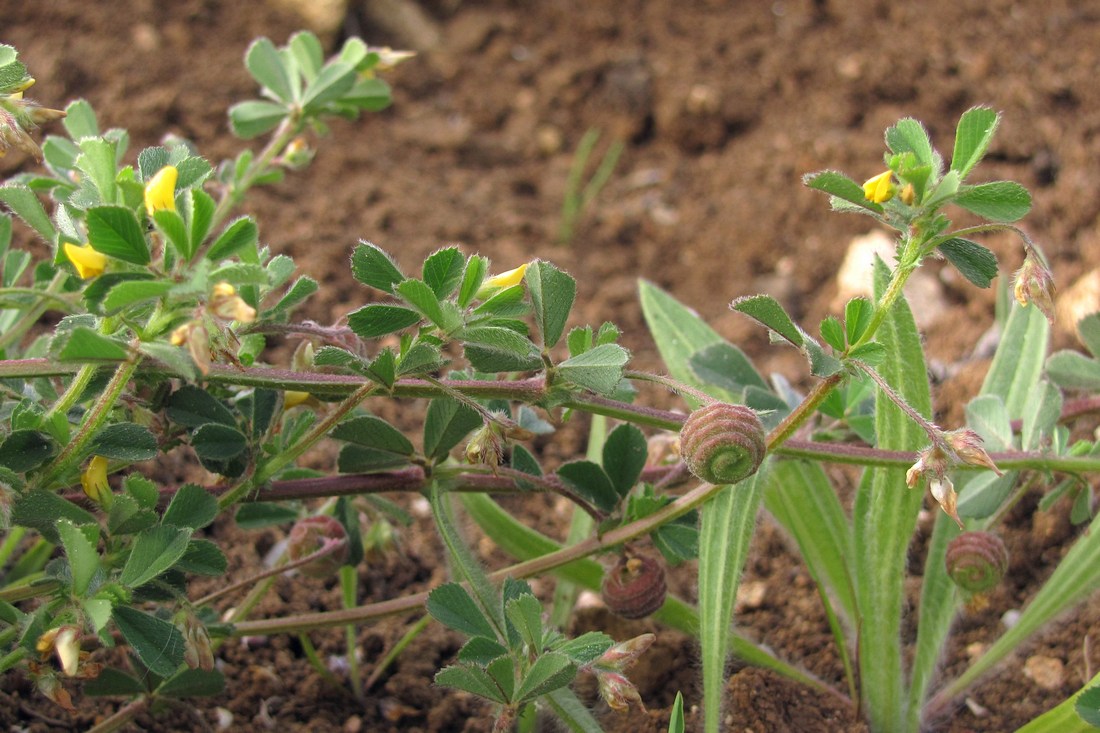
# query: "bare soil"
722, 106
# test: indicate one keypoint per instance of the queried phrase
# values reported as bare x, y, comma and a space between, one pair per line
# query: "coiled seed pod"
635, 587
976, 561
723, 443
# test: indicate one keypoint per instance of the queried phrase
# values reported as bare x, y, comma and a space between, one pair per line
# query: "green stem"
12, 658
315, 661
76, 388
93, 421
349, 587
11, 541
43, 294
234, 193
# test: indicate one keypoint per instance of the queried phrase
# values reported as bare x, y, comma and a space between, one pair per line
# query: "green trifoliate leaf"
81, 553
586, 648
193, 683
419, 295
203, 557
909, 135
239, 235
552, 294
474, 680
525, 613
267, 67
25, 204
1088, 329
113, 682
832, 332
192, 407
976, 263
129, 292
372, 266
447, 424
1073, 370
24, 450
255, 117
972, 137
84, 344
171, 224
158, 644
335, 80
215, 442
374, 432
1088, 706
41, 510
191, 507
725, 366
499, 349
550, 672
480, 651
115, 231
477, 267
302, 288
259, 514
98, 161
857, 316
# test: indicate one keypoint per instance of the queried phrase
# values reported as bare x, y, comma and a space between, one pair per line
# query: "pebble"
853, 278
1080, 299
1047, 672
751, 595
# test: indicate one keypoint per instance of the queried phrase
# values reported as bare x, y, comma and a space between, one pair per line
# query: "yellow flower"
63, 640
879, 189
160, 191
293, 398
87, 261
227, 304
501, 281
94, 481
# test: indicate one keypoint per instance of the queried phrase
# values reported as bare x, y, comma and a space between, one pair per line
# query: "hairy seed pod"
976, 561
723, 443
311, 534
635, 587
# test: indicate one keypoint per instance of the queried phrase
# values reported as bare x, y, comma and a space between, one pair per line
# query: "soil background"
723, 106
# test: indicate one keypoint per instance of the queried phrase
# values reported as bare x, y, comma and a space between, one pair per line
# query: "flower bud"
625, 653
501, 281
86, 260
1035, 284
312, 534
635, 587
723, 443
193, 335
65, 641
879, 189
160, 191
969, 448
943, 491
976, 561
198, 652
94, 482
617, 691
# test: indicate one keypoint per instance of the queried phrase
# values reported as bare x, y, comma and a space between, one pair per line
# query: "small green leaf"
443, 271
203, 557
254, 118
266, 66
142, 489
976, 263
129, 292
624, 457
676, 716
216, 442
498, 349
480, 651
80, 120
307, 52
832, 332
552, 294
25, 204
158, 644
115, 231
335, 80
379, 319
599, 369
41, 510
154, 551
193, 683
259, 514
111, 682
200, 206
302, 288
25, 450
909, 135
419, 295
452, 606
767, 310
857, 316
191, 507
372, 266
374, 432
997, 201
1088, 329
240, 234
842, 187
1074, 370
472, 277
360, 459
84, 344
525, 613
448, 422
474, 680
192, 407
725, 366
591, 482
550, 672
1087, 706
98, 161
972, 137
171, 224
586, 648
125, 441
81, 553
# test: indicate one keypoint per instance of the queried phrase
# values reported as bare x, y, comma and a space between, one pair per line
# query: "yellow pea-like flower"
87, 261
160, 191
94, 481
293, 398
879, 189
507, 279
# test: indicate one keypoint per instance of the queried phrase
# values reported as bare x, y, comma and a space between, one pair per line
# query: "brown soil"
723, 107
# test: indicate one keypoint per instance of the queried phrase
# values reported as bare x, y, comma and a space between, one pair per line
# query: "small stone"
1047, 672
1080, 299
548, 139
751, 595
1010, 618
975, 650
854, 278
354, 724
224, 718
979, 710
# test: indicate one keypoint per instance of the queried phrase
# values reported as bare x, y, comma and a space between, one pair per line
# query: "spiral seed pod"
723, 443
976, 561
635, 587
311, 534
